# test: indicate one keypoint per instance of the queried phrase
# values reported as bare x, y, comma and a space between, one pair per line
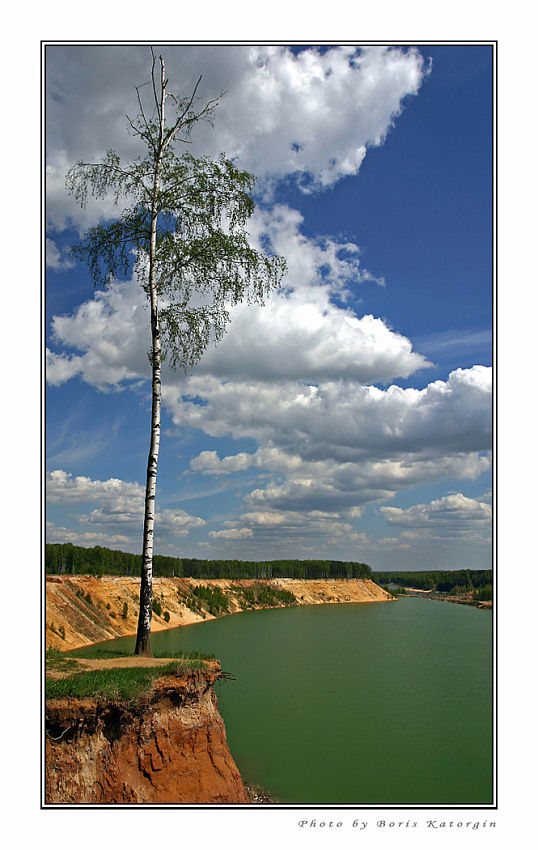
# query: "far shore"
83, 609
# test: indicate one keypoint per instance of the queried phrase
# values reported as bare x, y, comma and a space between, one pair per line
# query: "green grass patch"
97, 651
129, 683
56, 660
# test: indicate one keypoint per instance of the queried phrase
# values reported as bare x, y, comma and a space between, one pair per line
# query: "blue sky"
351, 416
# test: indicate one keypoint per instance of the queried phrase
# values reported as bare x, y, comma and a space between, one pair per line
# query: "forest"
68, 559
443, 581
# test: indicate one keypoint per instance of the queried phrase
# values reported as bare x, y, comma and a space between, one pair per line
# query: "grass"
129, 683
96, 651
57, 660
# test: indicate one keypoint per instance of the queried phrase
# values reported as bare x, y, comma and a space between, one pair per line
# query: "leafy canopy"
202, 259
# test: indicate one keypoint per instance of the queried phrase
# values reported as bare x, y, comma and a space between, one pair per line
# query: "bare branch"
153, 79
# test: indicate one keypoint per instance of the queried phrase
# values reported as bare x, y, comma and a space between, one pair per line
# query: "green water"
386, 703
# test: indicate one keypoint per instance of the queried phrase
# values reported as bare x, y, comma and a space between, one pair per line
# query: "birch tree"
184, 218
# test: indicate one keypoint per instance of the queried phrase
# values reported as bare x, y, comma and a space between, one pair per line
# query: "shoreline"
484, 604
82, 610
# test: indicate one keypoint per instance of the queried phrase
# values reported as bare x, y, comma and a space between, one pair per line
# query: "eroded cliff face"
169, 748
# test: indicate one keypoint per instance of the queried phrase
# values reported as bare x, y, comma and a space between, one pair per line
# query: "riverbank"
458, 599
82, 609
166, 746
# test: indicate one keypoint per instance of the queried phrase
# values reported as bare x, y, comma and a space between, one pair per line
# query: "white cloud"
55, 259
343, 420
300, 334
60, 534
449, 517
62, 488
61, 367
313, 115
112, 329
285, 534
340, 446
120, 507
231, 534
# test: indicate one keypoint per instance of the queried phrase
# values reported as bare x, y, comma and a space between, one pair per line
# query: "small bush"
156, 607
124, 611
166, 616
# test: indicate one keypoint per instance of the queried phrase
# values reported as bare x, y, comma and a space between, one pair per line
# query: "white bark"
143, 638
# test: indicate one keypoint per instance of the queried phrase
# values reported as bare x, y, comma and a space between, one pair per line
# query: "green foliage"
443, 581
215, 600
98, 651
64, 558
200, 208
84, 598
166, 616
126, 683
125, 611
264, 596
156, 606
484, 594
57, 660
54, 654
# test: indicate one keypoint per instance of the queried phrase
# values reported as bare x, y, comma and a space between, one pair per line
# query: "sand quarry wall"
81, 610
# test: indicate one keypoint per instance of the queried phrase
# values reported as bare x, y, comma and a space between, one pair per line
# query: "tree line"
445, 581
68, 559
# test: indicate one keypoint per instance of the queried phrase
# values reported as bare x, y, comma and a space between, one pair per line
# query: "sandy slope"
81, 610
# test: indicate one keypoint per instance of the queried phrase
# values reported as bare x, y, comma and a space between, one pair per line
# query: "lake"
373, 704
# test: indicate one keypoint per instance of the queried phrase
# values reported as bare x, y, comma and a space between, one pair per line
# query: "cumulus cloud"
60, 534
231, 533
61, 367
113, 332
342, 420
300, 334
452, 516
342, 447
62, 487
313, 114
285, 533
120, 506
54, 258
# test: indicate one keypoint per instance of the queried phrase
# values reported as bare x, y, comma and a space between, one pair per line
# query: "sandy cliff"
81, 610
168, 749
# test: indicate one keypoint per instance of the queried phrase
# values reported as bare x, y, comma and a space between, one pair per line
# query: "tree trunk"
143, 635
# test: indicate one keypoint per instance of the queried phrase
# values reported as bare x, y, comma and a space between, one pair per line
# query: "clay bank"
168, 747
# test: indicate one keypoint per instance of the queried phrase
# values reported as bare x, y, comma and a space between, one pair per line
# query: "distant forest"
67, 559
445, 581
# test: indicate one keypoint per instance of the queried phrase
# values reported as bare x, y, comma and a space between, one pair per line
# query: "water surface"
380, 703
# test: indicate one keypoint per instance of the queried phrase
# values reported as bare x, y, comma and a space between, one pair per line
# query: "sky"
348, 418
